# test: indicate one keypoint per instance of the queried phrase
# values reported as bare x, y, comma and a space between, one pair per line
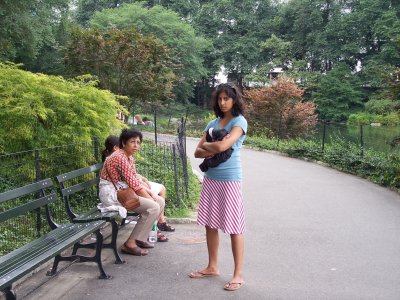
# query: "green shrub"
364, 118
361, 118
38, 110
379, 167
379, 106
389, 119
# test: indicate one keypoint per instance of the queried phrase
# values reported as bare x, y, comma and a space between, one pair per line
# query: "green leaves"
38, 110
186, 48
29, 28
125, 61
338, 94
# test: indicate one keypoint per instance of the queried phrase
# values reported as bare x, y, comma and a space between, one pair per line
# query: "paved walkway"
312, 233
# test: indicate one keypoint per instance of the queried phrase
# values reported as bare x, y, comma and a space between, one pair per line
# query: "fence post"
169, 120
38, 177
96, 148
155, 126
323, 135
182, 135
182, 153
362, 140
187, 111
279, 129
176, 176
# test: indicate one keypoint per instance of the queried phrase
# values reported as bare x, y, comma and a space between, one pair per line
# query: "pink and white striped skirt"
221, 206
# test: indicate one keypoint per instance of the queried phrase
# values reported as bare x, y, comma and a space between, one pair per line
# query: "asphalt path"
312, 233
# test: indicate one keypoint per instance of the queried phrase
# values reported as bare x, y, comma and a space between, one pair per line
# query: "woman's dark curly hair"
233, 92
127, 134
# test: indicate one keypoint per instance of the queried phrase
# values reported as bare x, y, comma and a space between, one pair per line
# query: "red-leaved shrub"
278, 110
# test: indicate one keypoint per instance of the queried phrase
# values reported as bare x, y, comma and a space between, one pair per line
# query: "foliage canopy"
279, 108
186, 47
38, 110
125, 61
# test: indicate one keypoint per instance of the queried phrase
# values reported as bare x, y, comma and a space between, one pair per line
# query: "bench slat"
14, 212
67, 235
95, 214
25, 190
80, 186
70, 175
41, 244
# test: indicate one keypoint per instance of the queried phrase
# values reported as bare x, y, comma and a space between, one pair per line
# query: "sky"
221, 77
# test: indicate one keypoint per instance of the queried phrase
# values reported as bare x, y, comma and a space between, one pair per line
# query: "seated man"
212, 136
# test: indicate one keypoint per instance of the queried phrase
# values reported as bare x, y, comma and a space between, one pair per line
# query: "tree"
125, 61
338, 94
27, 27
236, 28
186, 47
38, 110
85, 9
278, 110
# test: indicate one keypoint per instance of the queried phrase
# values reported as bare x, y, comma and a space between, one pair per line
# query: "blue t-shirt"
230, 170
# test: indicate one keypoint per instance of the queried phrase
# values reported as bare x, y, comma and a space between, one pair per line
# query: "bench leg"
75, 249
99, 244
85, 246
9, 293
113, 243
53, 270
81, 258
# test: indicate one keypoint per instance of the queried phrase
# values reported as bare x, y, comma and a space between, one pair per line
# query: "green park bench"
19, 262
79, 189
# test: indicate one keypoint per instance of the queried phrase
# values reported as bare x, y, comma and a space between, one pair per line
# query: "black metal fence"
164, 161
379, 138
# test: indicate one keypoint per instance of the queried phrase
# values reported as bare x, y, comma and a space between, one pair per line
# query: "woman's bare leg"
212, 247
163, 194
237, 241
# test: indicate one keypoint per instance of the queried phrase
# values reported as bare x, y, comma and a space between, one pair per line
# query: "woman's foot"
165, 227
161, 237
234, 284
204, 273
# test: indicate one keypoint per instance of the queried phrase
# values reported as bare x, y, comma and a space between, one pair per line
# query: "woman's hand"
200, 152
226, 143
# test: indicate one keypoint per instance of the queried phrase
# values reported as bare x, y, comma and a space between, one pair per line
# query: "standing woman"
221, 205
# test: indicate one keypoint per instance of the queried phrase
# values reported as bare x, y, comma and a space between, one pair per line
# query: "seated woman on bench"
111, 144
119, 170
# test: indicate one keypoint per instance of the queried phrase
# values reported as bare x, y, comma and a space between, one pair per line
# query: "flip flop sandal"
137, 251
199, 274
233, 286
161, 238
142, 244
165, 227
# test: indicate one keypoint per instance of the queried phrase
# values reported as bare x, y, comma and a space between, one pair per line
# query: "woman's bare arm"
200, 152
221, 146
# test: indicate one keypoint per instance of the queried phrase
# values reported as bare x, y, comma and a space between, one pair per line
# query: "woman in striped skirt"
221, 205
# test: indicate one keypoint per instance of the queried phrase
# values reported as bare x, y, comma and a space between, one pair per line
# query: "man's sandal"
137, 251
233, 286
142, 244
